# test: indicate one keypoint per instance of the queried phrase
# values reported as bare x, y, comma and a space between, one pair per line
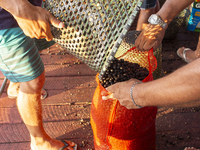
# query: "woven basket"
129, 41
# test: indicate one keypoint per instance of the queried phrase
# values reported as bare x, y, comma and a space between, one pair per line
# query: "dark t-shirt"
8, 21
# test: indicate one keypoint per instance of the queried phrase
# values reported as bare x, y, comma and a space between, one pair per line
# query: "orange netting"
117, 128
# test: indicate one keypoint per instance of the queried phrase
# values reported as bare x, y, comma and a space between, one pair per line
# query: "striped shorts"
19, 57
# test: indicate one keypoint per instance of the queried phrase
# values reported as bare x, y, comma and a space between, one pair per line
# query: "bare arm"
33, 20
152, 35
179, 89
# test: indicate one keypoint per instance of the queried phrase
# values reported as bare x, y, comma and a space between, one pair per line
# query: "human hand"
121, 92
151, 36
35, 21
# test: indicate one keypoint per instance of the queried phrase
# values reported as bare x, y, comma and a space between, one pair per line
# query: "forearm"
180, 87
172, 8
13, 6
188, 104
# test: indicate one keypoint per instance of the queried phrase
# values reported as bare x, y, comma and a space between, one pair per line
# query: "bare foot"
13, 89
190, 54
191, 148
54, 145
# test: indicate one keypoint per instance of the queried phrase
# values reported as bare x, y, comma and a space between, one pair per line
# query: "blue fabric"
148, 4
19, 57
7, 20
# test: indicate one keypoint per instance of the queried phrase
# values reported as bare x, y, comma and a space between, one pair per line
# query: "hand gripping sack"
117, 128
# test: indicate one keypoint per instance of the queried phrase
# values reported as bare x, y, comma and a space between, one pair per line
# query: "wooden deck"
70, 85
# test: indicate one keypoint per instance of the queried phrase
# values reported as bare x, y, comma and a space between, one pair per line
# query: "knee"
33, 86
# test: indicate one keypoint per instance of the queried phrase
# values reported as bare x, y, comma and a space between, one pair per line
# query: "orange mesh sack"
117, 128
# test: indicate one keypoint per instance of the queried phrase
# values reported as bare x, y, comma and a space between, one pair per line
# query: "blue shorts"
148, 4
19, 57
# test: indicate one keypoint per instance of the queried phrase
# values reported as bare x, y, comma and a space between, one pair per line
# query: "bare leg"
13, 87
30, 108
144, 16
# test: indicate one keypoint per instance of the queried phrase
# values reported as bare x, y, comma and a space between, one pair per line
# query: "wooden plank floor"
70, 85
177, 127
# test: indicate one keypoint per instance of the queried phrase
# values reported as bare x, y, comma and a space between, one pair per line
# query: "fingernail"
61, 25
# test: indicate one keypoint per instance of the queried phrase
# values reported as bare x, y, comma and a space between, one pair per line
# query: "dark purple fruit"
120, 70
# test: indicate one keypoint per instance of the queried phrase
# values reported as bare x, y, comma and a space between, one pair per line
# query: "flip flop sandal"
184, 55
191, 147
43, 95
65, 145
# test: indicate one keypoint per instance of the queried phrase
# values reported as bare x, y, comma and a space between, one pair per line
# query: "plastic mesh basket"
94, 29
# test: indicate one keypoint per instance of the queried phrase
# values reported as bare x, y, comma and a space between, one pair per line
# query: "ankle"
41, 138
50, 144
37, 142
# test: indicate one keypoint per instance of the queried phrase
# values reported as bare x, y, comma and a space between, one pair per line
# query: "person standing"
22, 20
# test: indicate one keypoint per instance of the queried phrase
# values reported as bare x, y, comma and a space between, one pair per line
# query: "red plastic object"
117, 128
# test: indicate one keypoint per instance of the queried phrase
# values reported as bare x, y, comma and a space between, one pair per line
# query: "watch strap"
159, 21
162, 23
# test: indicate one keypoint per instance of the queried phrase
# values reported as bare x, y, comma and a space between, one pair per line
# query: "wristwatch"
156, 20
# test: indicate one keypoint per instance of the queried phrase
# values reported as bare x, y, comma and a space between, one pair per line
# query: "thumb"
107, 97
104, 93
56, 23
